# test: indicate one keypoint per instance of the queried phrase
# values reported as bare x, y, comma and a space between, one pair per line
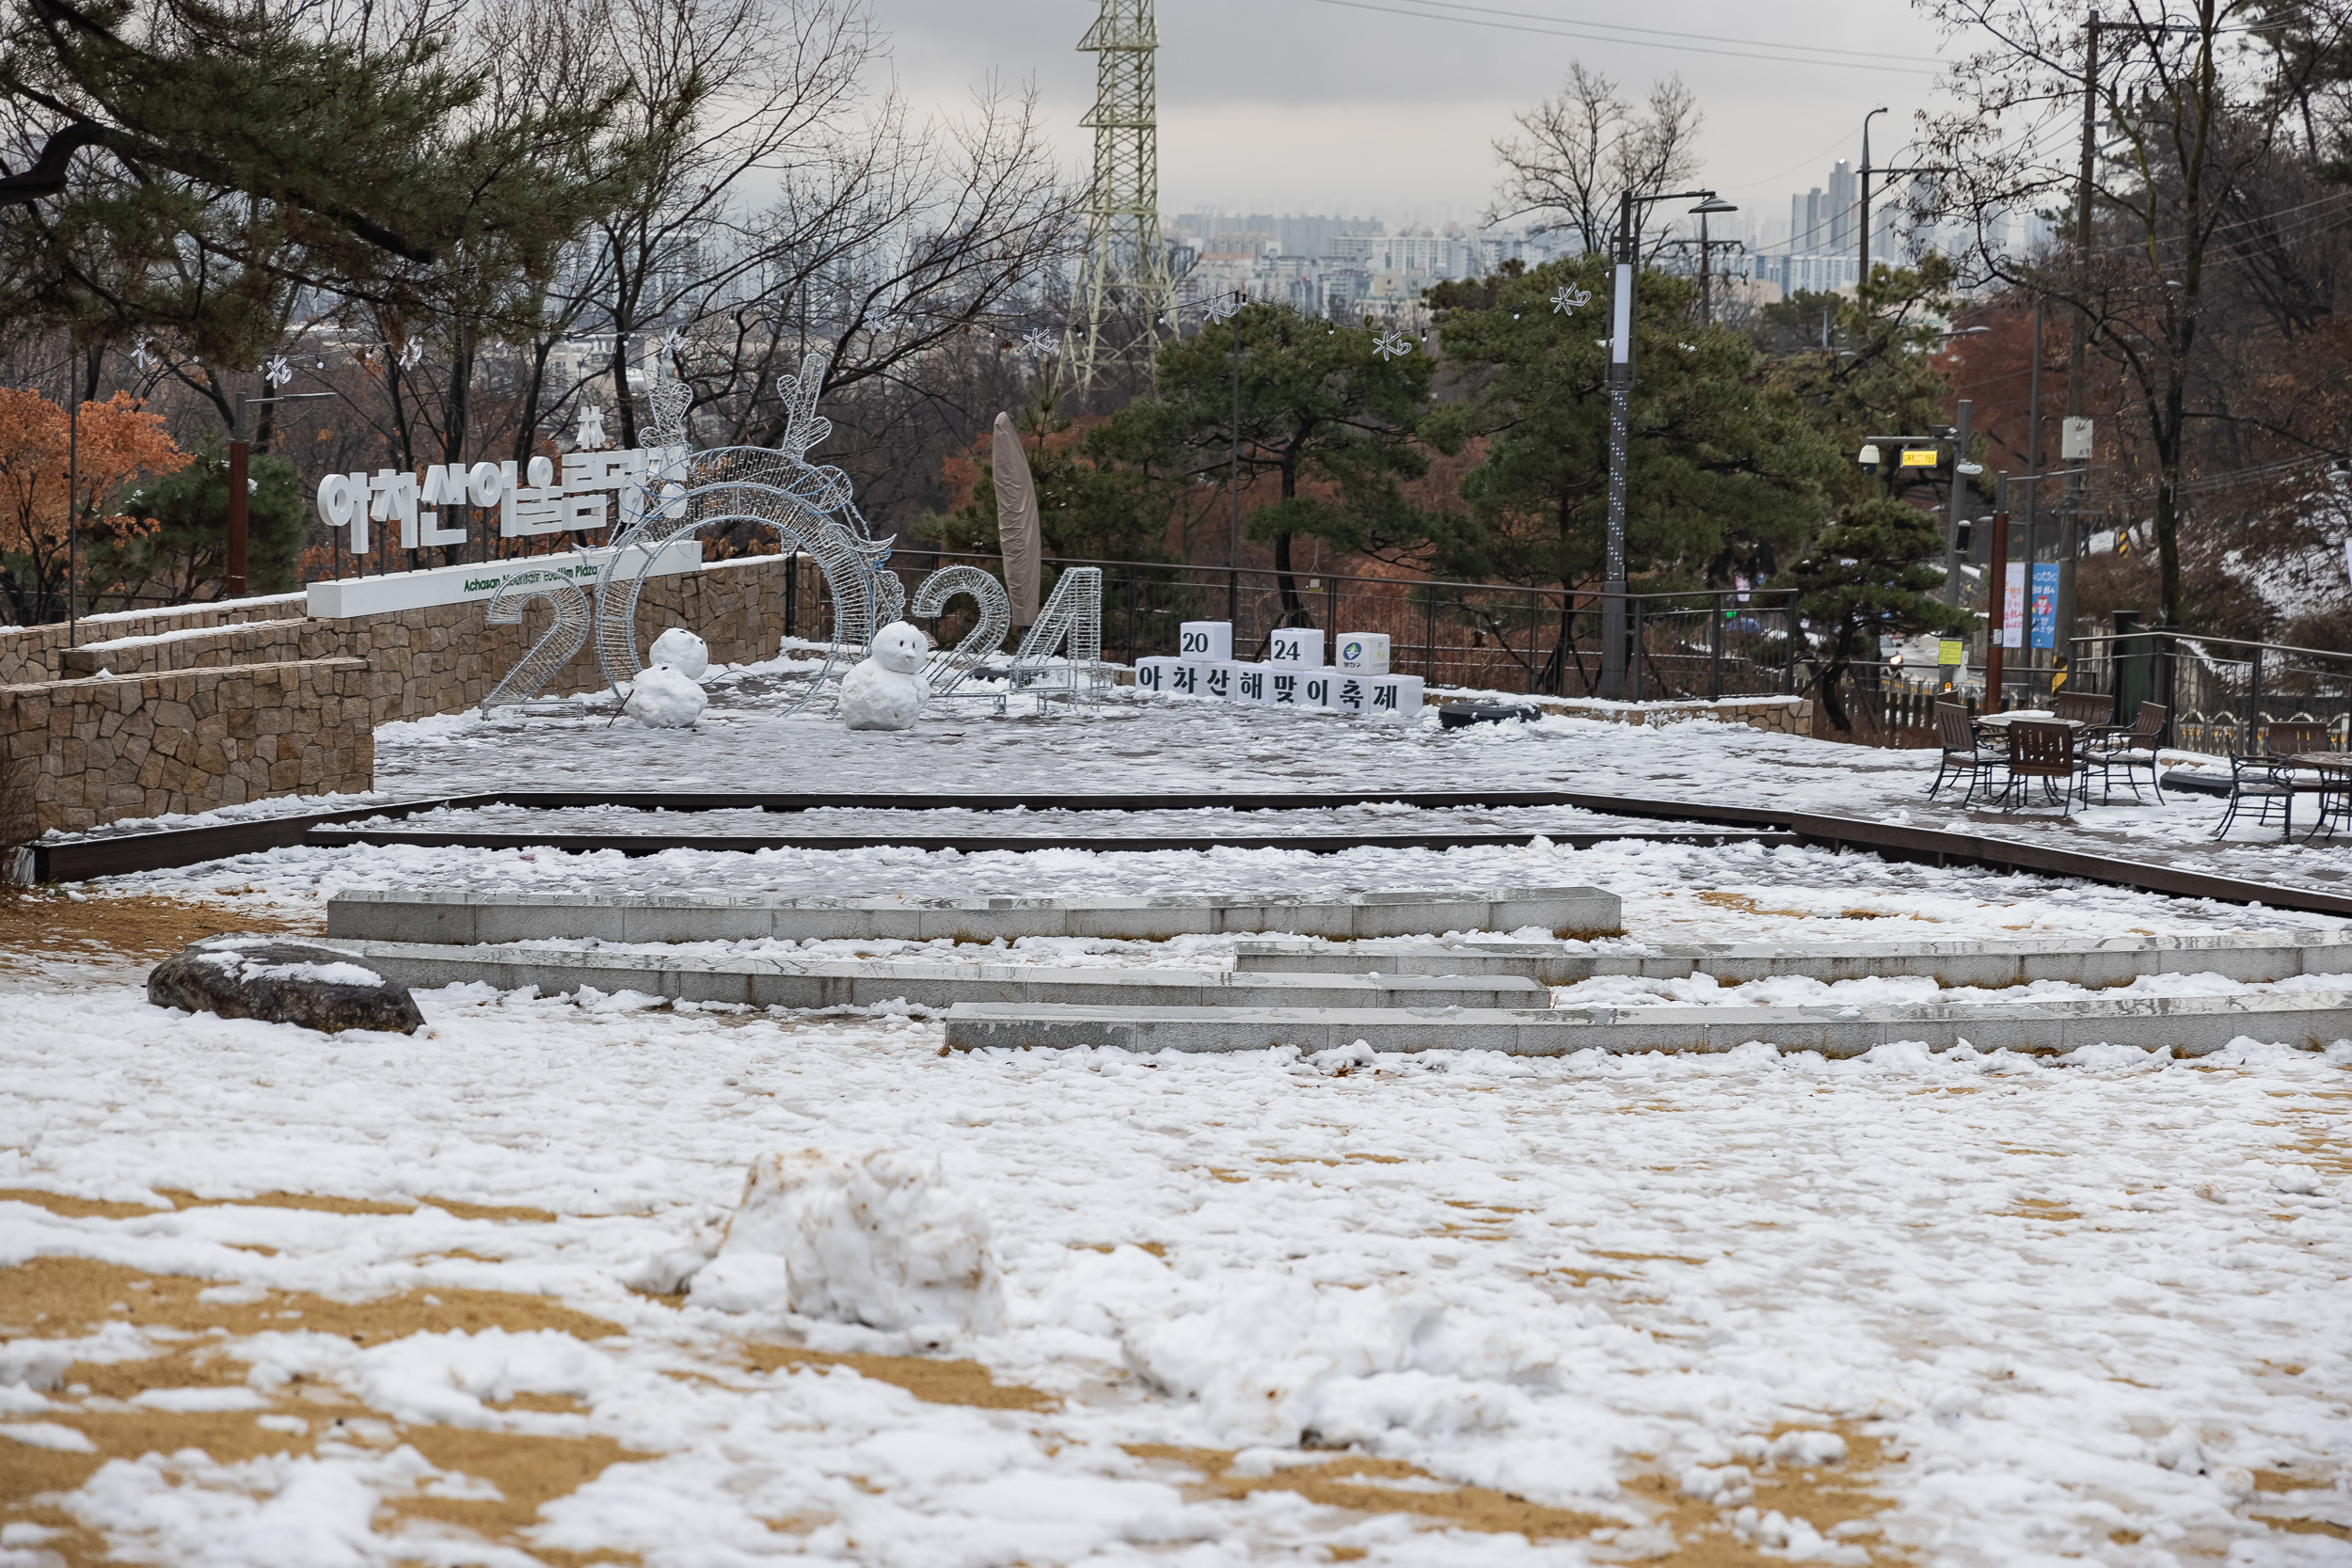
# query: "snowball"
681, 650
885, 1242
887, 691
662, 699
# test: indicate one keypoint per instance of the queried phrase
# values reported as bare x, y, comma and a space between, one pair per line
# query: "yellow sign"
1951, 650
1920, 457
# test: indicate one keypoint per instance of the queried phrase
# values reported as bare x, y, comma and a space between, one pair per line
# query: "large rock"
282, 982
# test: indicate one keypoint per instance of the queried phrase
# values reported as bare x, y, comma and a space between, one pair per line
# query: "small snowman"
887, 691
666, 697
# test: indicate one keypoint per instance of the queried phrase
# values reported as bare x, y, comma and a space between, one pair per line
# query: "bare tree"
725, 94
1583, 151
2183, 136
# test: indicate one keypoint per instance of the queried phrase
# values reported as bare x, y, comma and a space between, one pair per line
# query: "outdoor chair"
2270, 781
1962, 752
2046, 751
2130, 751
2093, 710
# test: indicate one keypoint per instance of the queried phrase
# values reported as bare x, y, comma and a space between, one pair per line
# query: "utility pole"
2079, 349
1622, 319
1861, 273
1233, 541
1996, 600
1959, 502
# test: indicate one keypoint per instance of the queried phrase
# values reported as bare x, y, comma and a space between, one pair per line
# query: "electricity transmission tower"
1124, 295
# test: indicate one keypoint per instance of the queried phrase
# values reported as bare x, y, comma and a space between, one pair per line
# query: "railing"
1484, 636
2222, 691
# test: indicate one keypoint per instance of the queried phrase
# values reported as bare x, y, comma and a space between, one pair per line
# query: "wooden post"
239, 455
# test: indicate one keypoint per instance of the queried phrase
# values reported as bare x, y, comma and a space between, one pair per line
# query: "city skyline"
1309, 105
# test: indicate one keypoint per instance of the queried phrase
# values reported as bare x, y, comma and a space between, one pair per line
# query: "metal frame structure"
809, 505
1124, 295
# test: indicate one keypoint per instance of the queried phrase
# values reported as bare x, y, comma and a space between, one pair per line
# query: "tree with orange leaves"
118, 440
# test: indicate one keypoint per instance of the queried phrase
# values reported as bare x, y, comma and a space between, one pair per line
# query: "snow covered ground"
270, 1297
1463, 1309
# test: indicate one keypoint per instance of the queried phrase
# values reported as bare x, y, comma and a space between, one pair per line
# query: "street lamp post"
1862, 271
1622, 315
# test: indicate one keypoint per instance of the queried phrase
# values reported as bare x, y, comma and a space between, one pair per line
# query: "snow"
882, 1242
887, 691
2052, 1298
665, 698
681, 650
1952, 1309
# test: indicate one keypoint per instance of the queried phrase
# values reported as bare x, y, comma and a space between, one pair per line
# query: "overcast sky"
1312, 106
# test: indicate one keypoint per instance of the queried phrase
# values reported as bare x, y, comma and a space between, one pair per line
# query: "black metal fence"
2222, 691
1490, 637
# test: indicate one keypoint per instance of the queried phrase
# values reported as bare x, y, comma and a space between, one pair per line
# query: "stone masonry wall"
30, 652
189, 740
437, 660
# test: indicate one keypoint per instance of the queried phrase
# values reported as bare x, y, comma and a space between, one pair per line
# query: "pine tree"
1862, 580
181, 164
1322, 410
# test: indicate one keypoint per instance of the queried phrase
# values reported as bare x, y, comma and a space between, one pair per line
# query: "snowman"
668, 695
887, 691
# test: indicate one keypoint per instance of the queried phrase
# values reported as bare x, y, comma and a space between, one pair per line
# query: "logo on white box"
1363, 653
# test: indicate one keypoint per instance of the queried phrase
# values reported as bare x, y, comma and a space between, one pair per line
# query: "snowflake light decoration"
672, 342
1040, 342
1392, 344
1224, 307
411, 353
278, 373
1565, 299
142, 356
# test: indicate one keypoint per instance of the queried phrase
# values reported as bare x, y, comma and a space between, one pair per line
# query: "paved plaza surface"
496, 1293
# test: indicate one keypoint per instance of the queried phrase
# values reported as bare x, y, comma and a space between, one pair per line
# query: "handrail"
1320, 574
2179, 636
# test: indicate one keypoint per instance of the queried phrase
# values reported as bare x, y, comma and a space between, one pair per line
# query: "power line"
1657, 32
1639, 43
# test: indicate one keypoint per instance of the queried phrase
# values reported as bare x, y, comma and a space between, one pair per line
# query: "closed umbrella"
1016, 522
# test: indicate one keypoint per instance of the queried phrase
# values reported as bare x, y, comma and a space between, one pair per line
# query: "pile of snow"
664, 698
682, 651
1275, 1360
883, 1242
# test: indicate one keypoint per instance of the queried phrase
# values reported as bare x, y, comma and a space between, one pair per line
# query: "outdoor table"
2028, 715
2334, 788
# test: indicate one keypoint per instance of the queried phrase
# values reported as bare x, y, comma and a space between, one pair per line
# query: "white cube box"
1250, 682
1221, 681
1296, 645
1314, 688
1363, 653
1286, 686
1154, 674
1394, 697
1205, 642
1184, 678
1350, 694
